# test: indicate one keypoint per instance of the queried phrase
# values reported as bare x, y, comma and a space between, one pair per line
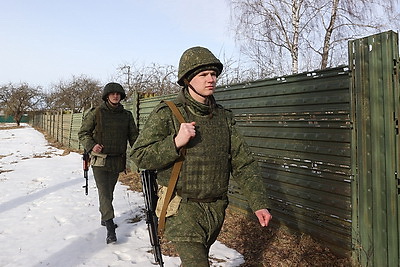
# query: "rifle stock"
150, 196
86, 163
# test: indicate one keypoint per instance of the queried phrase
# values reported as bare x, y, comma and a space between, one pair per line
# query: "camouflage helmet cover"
194, 59
113, 88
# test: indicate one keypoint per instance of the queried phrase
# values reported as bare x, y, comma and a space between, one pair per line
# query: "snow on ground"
47, 220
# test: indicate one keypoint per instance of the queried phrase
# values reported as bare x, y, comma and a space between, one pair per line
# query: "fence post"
375, 109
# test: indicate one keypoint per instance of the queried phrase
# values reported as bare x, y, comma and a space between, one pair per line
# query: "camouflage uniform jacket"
112, 128
217, 151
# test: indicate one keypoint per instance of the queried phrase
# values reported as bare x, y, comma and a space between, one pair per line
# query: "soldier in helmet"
105, 132
214, 151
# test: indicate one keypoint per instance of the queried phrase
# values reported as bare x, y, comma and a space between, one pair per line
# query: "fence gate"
375, 148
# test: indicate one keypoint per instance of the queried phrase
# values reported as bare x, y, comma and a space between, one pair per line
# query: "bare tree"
76, 95
236, 71
288, 36
151, 79
339, 21
269, 31
125, 75
157, 79
19, 99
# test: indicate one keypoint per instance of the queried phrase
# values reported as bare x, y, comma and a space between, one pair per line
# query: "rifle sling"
175, 110
174, 174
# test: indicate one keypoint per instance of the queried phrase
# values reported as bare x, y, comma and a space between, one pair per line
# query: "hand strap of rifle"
174, 174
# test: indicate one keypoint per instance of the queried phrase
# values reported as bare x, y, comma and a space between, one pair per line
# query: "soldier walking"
214, 150
105, 132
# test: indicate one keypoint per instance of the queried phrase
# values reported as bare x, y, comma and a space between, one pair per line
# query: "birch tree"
339, 21
288, 36
269, 32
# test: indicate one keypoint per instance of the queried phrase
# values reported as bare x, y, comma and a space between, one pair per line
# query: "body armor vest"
112, 128
205, 172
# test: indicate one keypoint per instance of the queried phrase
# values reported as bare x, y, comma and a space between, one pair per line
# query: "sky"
47, 220
43, 42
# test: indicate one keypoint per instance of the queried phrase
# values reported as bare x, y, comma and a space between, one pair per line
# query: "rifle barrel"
86, 163
150, 196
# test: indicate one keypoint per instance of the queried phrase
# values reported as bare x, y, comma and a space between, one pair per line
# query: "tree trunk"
295, 42
328, 35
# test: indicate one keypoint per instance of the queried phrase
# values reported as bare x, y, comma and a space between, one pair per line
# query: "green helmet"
113, 88
197, 59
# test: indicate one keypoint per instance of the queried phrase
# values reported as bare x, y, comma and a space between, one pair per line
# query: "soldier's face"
205, 82
114, 98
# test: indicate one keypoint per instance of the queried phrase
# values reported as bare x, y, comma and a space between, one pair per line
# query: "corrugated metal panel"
66, 127
75, 127
375, 85
299, 129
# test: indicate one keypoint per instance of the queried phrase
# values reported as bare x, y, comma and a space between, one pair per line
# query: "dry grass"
132, 180
275, 247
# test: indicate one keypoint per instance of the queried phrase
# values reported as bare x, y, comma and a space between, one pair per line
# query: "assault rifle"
150, 196
86, 163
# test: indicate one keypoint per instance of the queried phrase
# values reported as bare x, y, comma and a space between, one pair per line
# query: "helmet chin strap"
209, 100
194, 90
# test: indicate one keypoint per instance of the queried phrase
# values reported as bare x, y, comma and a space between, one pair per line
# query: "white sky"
45, 41
47, 220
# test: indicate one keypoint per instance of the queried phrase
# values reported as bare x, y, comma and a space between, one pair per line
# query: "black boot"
111, 236
103, 223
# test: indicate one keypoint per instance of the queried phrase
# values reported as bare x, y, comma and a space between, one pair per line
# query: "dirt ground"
275, 247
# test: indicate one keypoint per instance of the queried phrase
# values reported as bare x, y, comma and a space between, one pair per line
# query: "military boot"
111, 236
103, 223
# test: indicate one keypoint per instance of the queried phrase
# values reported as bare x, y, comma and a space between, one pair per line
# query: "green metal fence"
62, 126
375, 99
10, 119
299, 128
327, 142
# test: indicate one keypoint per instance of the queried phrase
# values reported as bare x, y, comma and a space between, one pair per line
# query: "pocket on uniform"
173, 205
98, 159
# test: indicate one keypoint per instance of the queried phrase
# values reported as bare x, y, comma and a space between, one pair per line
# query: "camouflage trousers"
194, 229
105, 182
